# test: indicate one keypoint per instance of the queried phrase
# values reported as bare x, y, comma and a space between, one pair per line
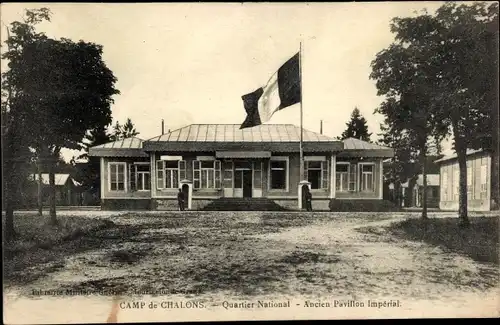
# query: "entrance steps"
243, 204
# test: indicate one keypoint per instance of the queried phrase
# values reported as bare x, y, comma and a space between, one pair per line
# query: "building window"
352, 178
228, 174
169, 173
444, 186
469, 181
278, 174
342, 177
257, 175
456, 184
117, 176
484, 181
367, 179
317, 173
142, 177
207, 174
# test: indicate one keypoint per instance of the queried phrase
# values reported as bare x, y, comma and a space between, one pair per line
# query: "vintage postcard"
169, 162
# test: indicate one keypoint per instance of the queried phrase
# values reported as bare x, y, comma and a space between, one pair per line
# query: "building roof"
356, 144
129, 147
358, 148
60, 179
233, 133
454, 155
432, 180
213, 137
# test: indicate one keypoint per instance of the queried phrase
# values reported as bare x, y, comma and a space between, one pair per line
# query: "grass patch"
38, 242
36, 232
478, 241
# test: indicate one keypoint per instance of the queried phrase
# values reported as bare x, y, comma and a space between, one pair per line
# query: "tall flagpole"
301, 116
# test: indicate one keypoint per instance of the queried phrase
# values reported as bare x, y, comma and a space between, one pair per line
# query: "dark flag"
282, 90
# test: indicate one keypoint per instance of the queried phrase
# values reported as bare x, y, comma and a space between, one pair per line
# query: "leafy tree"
402, 166
64, 86
440, 70
124, 131
356, 127
16, 120
467, 61
401, 75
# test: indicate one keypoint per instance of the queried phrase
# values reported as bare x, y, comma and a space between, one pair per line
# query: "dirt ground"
213, 257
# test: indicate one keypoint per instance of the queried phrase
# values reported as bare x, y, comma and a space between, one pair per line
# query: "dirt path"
216, 257
374, 263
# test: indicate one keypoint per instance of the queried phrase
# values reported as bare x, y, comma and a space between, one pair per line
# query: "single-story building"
214, 161
418, 191
479, 181
67, 189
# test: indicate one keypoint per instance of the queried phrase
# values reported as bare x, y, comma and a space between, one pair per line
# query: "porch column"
102, 171
152, 174
381, 184
333, 176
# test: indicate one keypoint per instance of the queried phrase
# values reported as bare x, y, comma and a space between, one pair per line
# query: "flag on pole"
282, 90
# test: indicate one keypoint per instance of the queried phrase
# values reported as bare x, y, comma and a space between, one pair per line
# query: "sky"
191, 62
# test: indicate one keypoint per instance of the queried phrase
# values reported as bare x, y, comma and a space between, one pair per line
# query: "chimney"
162, 126
321, 127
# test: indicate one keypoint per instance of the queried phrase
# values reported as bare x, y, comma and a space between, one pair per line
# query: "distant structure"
67, 189
418, 191
479, 181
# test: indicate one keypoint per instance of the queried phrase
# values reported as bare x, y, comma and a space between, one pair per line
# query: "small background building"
479, 181
418, 191
67, 189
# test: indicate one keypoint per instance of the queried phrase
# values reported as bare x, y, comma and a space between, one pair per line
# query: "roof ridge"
182, 127
133, 137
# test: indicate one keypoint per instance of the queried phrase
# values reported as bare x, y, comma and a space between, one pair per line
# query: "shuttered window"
325, 174
444, 186
169, 173
352, 177
142, 177
207, 174
366, 174
117, 174
342, 176
217, 167
131, 177
257, 175
160, 174
316, 172
182, 170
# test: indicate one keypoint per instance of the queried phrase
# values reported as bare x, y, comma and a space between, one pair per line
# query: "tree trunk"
462, 198
408, 198
9, 183
423, 159
397, 193
52, 193
40, 187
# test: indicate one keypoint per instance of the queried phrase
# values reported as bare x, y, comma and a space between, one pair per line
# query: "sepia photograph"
174, 162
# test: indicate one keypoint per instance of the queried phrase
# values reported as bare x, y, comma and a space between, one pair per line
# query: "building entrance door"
247, 183
243, 179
